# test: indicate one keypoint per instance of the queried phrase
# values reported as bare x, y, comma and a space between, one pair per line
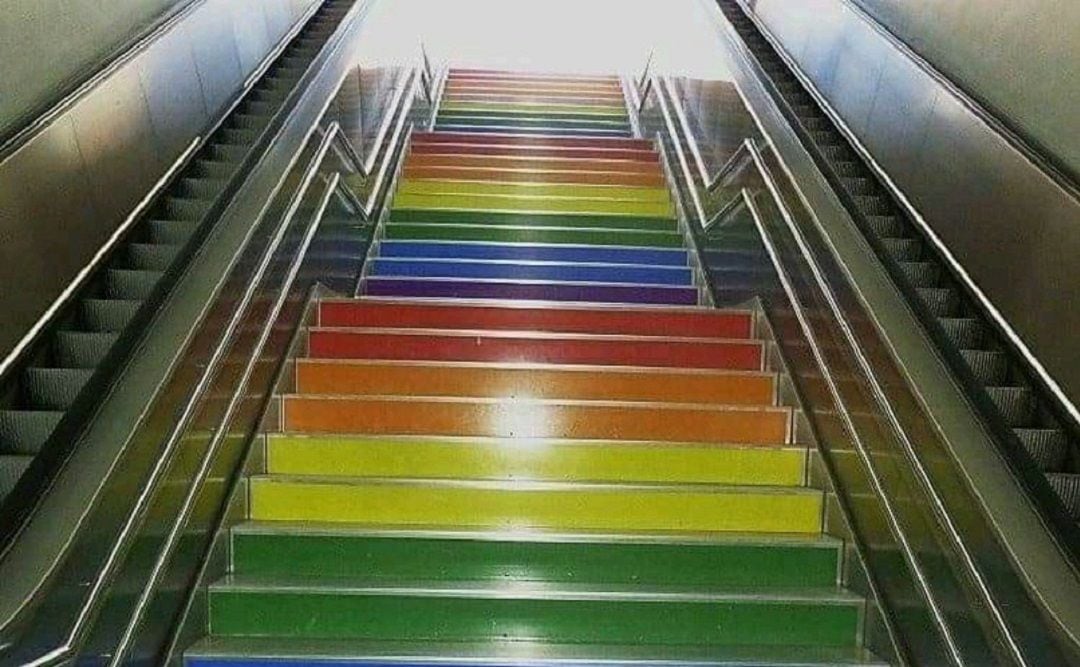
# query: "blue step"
562, 272
535, 253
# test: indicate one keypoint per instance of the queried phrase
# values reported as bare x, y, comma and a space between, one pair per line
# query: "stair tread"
314, 529
528, 590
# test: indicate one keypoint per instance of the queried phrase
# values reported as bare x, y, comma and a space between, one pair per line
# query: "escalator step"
989, 366
260, 108
54, 388
108, 314
921, 274
236, 137
12, 467
940, 301
964, 332
838, 153
248, 122
82, 349
1067, 486
270, 95
213, 170
182, 208
227, 153
1017, 404
130, 284
1048, 447
202, 188
903, 250
873, 205
152, 256
859, 185
25, 431
172, 232
848, 167
816, 123
885, 225
826, 138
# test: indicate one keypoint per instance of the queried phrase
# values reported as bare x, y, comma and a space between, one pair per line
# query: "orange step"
318, 376
766, 426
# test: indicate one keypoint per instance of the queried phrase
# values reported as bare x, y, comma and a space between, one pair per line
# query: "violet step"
534, 291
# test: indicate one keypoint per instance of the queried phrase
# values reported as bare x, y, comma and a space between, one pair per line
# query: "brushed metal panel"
278, 19
170, 81
216, 56
858, 68
897, 125
47, 219
249, 26
117, 146
785, 19
823, 22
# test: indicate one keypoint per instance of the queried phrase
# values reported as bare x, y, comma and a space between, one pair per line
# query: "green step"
486, 233
402, 555
274, 651
426, 611
496, 218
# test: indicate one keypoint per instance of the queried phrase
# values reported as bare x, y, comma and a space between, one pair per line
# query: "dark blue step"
535, 253
562, 272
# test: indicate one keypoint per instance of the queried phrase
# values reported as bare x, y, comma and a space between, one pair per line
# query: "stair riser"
315, 377
422, 138
577, 293
503, 419
357, 616
586, 508
452, 126
605, 192
530, 221
483, 203
344, 344
508, 176
555, 273
524, 253
505, 460
528, 162
497, 148
703, 324
391, 559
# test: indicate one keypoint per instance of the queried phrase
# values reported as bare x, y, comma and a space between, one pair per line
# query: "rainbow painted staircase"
526, 443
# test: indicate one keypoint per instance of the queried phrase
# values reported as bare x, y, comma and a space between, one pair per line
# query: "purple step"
472, 289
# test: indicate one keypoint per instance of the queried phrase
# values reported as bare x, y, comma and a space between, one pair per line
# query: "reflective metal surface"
986, 203
932, 555
115, 543
69, 181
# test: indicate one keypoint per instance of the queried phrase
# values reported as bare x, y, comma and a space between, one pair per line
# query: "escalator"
1032, 429
506, 383
54, 386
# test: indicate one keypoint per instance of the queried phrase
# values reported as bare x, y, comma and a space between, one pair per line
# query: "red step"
419, 138
516, 347
691, 323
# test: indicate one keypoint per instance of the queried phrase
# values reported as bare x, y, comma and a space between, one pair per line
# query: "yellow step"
539, 205
536, 505
585, 461
520, 189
